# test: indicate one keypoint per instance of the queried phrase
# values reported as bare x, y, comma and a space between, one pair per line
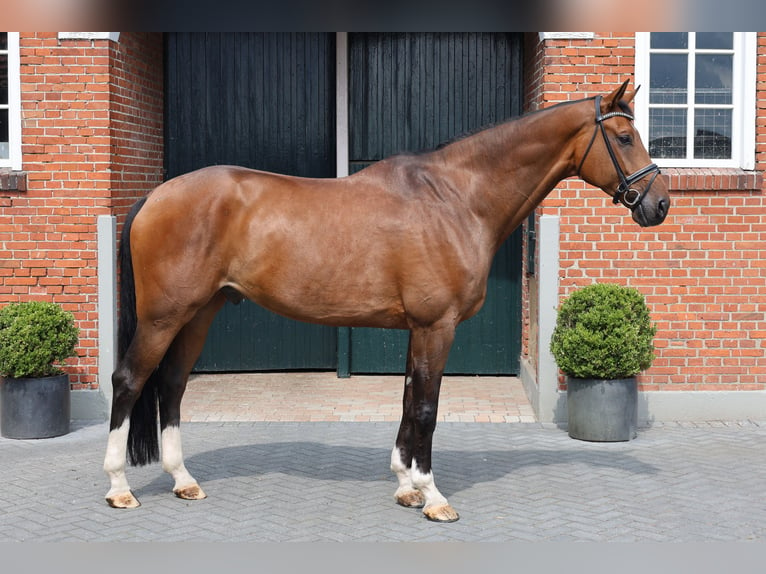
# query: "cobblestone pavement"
329, 481
315, 397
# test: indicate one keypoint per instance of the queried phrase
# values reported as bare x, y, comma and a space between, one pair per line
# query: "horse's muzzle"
649, 213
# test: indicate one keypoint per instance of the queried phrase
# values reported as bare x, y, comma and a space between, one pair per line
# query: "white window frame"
743, 104
14, 105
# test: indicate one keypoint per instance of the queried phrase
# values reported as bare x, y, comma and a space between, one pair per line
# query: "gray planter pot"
34, 408
602, 410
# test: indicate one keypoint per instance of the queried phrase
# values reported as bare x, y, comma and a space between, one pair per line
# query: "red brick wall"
703, 271
91, 137
136, 105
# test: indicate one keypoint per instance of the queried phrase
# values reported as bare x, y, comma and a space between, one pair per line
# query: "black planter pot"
34, 408
602, 410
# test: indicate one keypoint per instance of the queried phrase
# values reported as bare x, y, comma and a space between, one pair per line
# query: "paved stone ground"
323, 397
329, 481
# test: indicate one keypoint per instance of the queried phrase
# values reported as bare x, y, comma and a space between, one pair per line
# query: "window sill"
712, 179
11, 180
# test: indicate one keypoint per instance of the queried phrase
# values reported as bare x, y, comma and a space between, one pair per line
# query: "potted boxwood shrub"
34, 391
602, 339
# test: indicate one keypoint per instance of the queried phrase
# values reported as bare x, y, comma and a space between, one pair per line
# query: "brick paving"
318, 397
329, 481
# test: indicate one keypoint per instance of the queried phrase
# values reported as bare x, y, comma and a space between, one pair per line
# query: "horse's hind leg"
411, 457
174, 374
128, 380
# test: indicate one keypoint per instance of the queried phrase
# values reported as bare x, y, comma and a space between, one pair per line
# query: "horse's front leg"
411, 457
401, 455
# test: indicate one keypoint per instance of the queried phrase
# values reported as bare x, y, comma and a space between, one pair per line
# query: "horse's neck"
515, 165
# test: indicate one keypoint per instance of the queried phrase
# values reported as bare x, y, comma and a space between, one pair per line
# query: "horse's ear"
610, 101
628, 97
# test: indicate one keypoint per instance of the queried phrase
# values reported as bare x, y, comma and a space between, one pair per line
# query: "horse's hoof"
191, 492
124, 500
411, 499
441, 513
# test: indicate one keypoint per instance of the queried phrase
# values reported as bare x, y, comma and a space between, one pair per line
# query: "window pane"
3, 40
667, 133
712, 134
667, 81
4, 134
669, 40
4, 79
715, 40
714, 74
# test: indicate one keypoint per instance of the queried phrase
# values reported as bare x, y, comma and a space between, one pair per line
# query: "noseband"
626, 194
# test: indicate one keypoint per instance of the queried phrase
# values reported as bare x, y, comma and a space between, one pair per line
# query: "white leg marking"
407, 494
173, 458
114, 461
425, 484
402, 473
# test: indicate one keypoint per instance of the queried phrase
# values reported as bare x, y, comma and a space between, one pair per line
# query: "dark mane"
470, 133
623, 106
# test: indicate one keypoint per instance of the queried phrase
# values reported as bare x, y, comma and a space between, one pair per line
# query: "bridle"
630, 197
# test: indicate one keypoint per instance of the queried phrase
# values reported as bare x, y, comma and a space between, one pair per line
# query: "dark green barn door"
410, 92
264, 101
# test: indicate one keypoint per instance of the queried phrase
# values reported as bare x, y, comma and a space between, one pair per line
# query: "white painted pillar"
341, 104
107, 304
551, 403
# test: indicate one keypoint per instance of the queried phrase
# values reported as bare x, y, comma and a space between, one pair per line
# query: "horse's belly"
335, 306
326, 294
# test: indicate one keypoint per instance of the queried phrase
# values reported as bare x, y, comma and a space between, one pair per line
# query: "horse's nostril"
662, 207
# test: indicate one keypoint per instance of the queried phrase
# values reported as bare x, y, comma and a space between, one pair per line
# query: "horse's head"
612, 157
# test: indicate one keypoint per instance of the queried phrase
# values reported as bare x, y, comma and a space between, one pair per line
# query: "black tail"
143, 439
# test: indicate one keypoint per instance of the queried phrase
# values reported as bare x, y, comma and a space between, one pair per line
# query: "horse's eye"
625, 139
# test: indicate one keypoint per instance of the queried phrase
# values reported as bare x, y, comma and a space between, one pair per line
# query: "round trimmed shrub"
33, 336
603, 331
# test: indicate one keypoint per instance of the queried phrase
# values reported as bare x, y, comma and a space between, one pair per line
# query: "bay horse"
406, 243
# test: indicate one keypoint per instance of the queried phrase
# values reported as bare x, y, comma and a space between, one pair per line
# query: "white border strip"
113, 36
566, 36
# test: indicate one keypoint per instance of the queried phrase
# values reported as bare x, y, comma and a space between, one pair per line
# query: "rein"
626, 194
